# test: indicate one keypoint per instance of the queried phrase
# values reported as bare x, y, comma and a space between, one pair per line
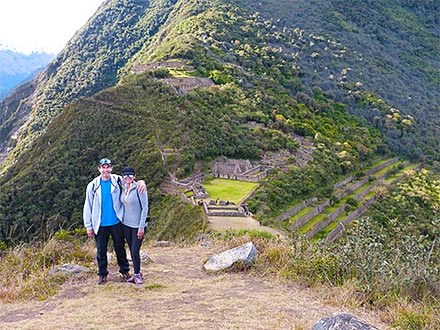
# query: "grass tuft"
25, 269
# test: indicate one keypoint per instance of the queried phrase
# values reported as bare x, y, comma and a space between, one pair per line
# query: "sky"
42, 25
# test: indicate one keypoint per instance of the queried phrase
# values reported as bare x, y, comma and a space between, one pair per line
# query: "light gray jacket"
92, 204
135, 207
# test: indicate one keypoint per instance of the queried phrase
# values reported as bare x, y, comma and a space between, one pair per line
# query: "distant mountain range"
17, 68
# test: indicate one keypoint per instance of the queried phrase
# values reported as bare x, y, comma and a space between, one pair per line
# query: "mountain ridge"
265, 70
162, 11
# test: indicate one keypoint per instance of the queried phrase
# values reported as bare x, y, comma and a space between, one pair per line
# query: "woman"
134, 220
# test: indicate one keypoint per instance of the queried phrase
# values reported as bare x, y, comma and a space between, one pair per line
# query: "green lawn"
228, 190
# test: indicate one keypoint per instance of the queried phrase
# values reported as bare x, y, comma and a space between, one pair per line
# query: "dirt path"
177, 294
224, 223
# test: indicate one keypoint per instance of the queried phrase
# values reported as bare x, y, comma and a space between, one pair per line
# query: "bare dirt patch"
177, 294
225, 223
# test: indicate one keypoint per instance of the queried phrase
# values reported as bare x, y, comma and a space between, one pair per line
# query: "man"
102, 214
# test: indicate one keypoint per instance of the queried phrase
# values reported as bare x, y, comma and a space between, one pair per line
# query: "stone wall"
342, 183
223, 211
294, 210
337, 231
325, 222
307, 217
382, 166
241, 170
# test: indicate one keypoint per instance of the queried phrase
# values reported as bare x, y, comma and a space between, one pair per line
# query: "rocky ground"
177, 294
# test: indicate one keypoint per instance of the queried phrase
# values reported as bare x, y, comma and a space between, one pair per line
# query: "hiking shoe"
131, 279
126, 276
138, 279
102, 280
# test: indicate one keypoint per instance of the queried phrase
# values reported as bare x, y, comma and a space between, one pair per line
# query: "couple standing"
118, 208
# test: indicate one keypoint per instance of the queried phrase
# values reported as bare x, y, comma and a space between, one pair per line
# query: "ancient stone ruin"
242, 170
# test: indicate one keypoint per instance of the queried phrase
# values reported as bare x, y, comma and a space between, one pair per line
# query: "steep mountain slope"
88, 63
349, 49
327, 43
281, 70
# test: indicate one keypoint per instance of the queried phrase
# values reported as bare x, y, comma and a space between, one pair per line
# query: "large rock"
145, 258
342, 322
165, 244
246, 253
69, 269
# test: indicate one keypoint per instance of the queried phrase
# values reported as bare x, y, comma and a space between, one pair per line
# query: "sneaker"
138, 279
102, 280
131, 279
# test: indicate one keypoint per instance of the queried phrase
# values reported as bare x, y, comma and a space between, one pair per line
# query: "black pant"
102, 239
135, 245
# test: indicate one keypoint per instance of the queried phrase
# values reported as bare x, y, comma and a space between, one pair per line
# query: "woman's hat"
128, 171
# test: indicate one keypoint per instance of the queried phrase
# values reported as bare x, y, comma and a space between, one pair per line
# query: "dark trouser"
135, 245
102, 239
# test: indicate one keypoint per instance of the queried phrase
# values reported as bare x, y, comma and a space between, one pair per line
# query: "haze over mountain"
17, 68
357, 79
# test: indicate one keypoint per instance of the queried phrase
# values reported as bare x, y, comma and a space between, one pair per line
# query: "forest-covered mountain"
17, 68
358, 79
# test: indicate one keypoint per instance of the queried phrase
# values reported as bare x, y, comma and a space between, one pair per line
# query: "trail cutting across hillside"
177, 294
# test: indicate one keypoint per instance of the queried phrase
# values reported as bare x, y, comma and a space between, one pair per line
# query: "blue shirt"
108, 214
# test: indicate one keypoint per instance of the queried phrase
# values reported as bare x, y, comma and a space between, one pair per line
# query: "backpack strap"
139, 199
95, 189
120, 186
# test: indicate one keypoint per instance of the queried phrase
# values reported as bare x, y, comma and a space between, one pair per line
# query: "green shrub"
62, 235
161, 73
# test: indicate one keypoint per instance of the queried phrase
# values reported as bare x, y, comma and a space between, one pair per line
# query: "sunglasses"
105, 161
131, 176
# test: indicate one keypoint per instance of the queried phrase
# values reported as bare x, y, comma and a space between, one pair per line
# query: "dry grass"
25, 269
178, 294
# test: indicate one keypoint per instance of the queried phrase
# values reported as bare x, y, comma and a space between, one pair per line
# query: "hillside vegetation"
300, 45
266, 95
168, 87
263, 63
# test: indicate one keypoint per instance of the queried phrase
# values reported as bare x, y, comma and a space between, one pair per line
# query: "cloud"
42, 25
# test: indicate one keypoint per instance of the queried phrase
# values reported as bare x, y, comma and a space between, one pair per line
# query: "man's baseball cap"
105, 161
